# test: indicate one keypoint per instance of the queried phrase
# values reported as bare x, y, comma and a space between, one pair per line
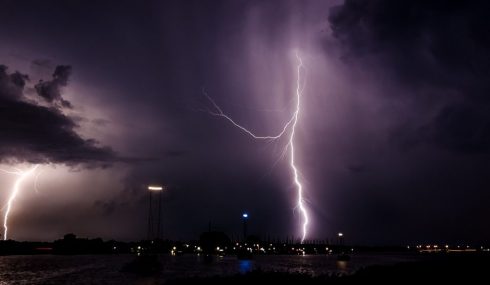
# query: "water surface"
106, 269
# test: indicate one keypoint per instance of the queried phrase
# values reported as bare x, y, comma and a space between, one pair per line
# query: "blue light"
245, 215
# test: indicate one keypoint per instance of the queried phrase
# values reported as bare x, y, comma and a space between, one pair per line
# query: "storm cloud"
42, 134
438, 51
50, 90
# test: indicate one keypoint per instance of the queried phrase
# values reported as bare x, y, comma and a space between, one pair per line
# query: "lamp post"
157, 189
245, 218
341, 238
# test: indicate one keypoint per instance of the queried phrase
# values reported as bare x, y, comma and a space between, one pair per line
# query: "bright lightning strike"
291, 126
22, 175
299, 186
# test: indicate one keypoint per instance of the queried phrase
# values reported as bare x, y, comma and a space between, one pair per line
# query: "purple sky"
392, 143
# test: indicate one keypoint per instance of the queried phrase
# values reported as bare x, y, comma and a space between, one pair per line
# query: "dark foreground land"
468, 268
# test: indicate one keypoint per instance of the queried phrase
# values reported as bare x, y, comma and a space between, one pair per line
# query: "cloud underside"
30, 132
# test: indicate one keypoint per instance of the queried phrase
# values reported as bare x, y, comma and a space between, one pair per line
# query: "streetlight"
340, 235
245, 218
158, 189
155, 188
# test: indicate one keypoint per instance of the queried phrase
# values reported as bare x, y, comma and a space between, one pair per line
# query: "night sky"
392, 142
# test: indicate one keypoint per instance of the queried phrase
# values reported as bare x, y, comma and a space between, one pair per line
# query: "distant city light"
341, 234
245, 215
155, 188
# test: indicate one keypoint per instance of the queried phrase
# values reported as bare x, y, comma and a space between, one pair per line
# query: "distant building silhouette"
210, 241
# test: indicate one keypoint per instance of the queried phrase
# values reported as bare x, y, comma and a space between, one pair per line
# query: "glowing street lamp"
341, 238
157, 189
245, 218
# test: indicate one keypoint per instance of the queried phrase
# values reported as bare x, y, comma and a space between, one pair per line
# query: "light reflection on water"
105, 269
342, 265
245, 266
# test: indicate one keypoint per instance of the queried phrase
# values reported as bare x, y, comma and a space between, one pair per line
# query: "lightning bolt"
220, 113
22, 175
289, 126
299, 186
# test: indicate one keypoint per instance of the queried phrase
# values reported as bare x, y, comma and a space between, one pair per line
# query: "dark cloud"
438, 51
11, 85
50, 90
464, 128
39, 134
